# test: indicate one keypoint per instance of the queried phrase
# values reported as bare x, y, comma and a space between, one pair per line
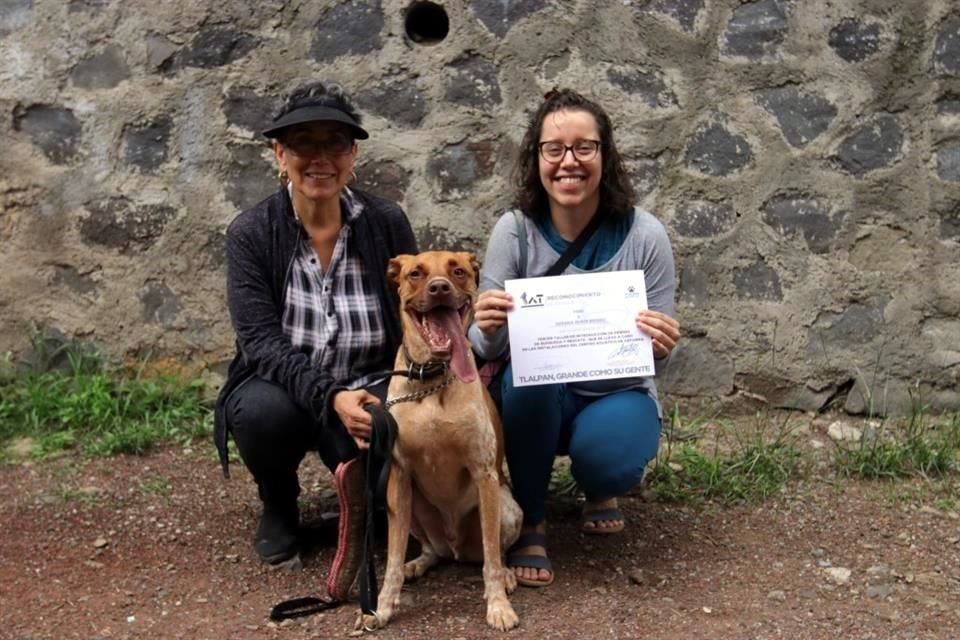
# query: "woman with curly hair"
568, 175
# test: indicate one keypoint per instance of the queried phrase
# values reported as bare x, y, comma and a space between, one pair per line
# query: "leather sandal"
515, 560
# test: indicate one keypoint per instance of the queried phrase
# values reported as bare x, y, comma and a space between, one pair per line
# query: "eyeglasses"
338, 144
583, 150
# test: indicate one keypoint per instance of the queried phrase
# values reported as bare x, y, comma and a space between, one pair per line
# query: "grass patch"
736, 468
99, 411
920, 446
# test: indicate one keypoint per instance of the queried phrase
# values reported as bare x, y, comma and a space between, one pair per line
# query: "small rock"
707, 610
777, 595
100, 543
93, 564
880, 590
636, 576
842, 431
839, 575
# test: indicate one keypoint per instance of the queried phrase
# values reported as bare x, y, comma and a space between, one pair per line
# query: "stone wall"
805, 157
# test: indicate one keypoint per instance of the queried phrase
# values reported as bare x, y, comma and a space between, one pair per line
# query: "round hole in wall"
427, 23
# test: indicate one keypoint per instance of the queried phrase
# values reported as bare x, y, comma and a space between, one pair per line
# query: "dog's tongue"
448, 321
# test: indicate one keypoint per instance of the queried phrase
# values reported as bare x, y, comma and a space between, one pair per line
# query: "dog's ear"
474, 264
394, 268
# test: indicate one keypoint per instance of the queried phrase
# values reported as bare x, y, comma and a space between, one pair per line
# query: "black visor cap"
302, 115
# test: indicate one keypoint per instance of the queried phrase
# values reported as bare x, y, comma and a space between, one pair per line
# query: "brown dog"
446, 484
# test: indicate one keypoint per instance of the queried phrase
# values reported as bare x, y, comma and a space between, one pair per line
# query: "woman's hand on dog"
663, 330
490, 310
349, 406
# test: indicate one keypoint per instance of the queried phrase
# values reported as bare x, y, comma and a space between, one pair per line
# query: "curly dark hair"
617, 196
317, 94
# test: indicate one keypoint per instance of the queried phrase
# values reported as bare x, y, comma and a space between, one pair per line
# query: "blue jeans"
610, 439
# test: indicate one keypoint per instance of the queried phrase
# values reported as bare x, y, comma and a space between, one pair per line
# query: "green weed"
736, 468
919, 446
99, 411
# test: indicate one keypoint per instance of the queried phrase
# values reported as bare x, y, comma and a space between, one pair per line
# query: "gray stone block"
160, 304
950, 222
805, 215
456, 168
758, 281
756, 29
214, 46
145, 145
67, 275
695, 369
386, 179
858, 324
802, 117
786, 394
715, 151
948, 104
703, 218
472, 82
249, 177
102, 70
14, 14
499, 15
54, 129
399, 100
644, 175
855, 40
86, 6
437, 238
215, 250
118, 223
160, 51
683, 11
946, 48
649, 87
350, 28
948, 160
247, 109
871, 146
694, 287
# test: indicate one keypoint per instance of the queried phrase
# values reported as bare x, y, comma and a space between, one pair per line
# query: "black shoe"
276, 540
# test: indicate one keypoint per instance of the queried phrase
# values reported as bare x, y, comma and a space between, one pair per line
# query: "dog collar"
423, 371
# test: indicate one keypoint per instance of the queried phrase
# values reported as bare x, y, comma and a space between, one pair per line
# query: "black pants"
273, 434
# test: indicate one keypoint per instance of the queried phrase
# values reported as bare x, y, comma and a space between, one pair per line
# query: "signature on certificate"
626, 349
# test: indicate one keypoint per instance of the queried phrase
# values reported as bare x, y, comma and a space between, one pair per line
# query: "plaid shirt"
334, 316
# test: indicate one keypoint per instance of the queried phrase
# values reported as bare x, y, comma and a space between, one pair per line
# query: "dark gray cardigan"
261, 243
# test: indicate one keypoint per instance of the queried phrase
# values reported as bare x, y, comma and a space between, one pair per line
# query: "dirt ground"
159, 547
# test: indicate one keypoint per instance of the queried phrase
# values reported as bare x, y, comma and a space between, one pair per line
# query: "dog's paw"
501, 616
367, 622
509, 580
416, 568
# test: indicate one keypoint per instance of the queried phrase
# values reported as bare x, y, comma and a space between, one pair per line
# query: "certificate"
578, 327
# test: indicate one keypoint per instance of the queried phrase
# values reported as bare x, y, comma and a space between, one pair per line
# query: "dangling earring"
282, 177
353, 176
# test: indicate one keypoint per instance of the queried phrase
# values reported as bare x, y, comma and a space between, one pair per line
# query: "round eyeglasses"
553, 151
336, 145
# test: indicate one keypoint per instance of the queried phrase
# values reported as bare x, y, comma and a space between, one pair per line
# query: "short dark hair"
617, 196
318, 94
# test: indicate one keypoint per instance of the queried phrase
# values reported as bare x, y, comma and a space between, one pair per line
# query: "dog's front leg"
500, 613
399, 509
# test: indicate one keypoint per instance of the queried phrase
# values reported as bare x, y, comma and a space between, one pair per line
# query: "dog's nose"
439, 287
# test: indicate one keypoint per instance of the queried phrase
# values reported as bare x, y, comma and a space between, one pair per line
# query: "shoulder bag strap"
575, 247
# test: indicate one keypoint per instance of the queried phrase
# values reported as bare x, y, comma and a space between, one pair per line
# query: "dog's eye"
460, 272
416, 274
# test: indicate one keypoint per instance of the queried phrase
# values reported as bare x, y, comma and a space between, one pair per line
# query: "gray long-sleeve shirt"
646, 247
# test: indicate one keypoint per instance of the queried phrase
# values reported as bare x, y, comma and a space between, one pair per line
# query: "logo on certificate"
535, 300
631, 292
